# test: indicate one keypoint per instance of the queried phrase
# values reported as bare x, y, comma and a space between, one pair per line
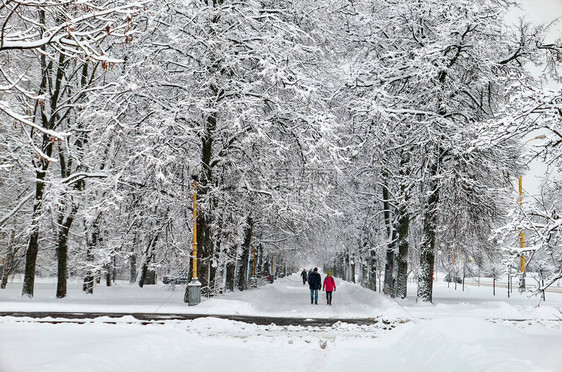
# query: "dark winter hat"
315, 269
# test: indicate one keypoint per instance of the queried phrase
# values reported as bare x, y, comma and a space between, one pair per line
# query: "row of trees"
371, 133
433, 108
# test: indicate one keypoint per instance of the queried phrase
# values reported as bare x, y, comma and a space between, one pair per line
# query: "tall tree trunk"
267, 265
149, 255
212, 269
242, 281
213, 266
389, 279
62, 251
352, 267
42, 164
205, 249
427, 249
89, 278
259, 268
402, 259
33, 244
67, 212
346, 267
9, 259
230, 271
132, 266
92, 238
403, 229
372, 270
68, 208
108, 270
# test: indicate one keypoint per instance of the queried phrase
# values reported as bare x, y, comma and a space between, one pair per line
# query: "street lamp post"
521, 233
194, 287
521, 241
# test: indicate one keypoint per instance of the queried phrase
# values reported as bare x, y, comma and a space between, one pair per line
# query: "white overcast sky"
538, 11
543, 10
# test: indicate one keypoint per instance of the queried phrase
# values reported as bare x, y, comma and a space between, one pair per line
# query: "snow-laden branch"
250, 189
23, 120
410, 112
555, 278
37, 149
65, 33
16, 208
73, 178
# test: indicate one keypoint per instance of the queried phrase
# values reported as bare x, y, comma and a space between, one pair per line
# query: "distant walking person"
315, 284
304, 276
329, 286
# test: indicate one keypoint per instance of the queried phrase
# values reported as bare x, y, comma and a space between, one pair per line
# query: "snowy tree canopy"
366, 136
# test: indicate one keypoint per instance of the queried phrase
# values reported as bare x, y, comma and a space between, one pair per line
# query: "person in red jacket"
329, 286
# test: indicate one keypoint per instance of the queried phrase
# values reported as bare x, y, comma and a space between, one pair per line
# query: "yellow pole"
194, 230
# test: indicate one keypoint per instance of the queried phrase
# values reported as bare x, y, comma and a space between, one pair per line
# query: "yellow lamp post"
194, 240
521, 233
193, 289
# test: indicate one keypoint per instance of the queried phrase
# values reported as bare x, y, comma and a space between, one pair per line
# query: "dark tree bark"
267, 266
132, 266
402, 259
352, 267
150, 278
403, 229
389, 279
68, 208
372, 270
346, 267
212, 269
89, 278
67, 212
92, 239
242, 280
427, 249
108, 270
9, 259
204, 252
259, 268
33, 244
205, 246
149, 255
230, 270
49, 113
62, 252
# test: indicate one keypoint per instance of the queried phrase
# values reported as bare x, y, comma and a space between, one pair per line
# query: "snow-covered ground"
462, 331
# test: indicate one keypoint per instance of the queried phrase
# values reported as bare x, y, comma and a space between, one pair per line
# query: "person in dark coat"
304, 276
315, 284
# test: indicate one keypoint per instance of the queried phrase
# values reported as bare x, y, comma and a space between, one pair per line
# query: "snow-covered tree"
46, 49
